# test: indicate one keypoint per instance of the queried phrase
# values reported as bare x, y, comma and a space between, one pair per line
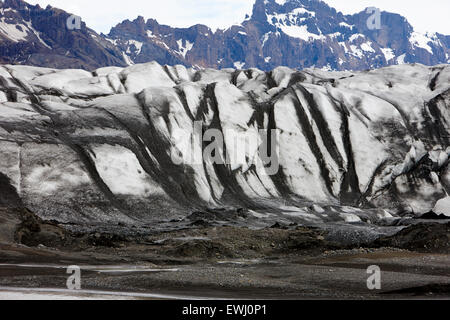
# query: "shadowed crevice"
8, 193
312, 141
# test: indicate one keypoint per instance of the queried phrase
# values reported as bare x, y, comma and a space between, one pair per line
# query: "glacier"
83, 147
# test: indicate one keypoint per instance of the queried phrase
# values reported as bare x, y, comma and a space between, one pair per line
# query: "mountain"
293, 33
31, 35
132, 145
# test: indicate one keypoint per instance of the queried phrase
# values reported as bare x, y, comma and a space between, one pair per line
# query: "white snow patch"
288, 23
367, 47
122, 172
111, 41
301, 32
49, 179
401, 59
334, 35
350, 217
420, 40
299, 213
344, 46
388, 54
137, 44
327, 68
357, 52
127, 59
346, 25
383, 214
318, 209
239, 65
184, 49
443, 207
3, 97
356, 36
12, 32
265, 38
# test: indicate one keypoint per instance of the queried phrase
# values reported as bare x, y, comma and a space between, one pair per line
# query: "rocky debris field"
287, 262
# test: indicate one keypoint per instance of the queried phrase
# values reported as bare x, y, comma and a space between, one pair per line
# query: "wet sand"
330, 275
224, 262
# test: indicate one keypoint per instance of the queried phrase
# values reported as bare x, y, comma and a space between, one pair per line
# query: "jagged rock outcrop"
297, 34
117, 144
294, 33
31, 35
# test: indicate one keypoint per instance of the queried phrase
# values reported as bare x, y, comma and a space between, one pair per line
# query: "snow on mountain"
294, 33
117, 144
32, 35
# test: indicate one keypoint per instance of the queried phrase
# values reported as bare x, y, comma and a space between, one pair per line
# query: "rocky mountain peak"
134, 28
14, 4
259, 10
35, 36
292, 33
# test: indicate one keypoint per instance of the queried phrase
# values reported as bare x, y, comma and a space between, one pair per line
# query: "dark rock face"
8, 194
297, 34
434, 216
432, 237
32, 35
